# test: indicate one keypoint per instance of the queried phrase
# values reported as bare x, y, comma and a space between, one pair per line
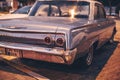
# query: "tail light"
48, 40
57, 40
60, 41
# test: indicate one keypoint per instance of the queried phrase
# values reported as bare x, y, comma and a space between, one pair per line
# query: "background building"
26, 2
2, 3
6, 5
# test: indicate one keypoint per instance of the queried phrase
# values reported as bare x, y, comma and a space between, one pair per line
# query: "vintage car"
58, 31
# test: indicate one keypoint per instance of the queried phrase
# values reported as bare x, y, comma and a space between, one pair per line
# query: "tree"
110, 3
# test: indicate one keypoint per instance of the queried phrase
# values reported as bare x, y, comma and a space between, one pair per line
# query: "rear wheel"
88, 58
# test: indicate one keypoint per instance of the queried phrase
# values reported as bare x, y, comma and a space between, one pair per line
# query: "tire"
88, 58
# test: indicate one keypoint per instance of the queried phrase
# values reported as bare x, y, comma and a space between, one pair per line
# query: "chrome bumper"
56, 55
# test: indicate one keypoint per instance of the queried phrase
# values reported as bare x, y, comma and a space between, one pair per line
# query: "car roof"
93, 1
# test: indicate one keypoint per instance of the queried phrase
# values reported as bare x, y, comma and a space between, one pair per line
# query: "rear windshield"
61, 9
23, 10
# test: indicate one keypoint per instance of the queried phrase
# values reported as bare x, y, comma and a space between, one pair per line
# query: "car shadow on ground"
6, 68
58, 71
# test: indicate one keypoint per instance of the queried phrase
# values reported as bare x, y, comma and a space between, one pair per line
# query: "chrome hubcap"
90, 56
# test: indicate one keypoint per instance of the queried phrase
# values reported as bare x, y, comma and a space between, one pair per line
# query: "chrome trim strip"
19, 46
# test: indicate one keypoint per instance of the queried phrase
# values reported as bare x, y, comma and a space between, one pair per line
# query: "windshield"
74, 9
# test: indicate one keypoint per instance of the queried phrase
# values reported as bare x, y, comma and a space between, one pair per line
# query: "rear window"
62, 9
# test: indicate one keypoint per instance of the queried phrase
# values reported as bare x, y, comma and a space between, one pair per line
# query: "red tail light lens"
60, 41
47, 40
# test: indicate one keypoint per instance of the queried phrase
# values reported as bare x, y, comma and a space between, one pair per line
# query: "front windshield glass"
74, 9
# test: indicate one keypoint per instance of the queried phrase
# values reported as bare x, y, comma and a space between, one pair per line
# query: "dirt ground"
9, 73
111, 70
117, 35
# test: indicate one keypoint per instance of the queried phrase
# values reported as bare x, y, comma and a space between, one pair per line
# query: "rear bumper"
56, 55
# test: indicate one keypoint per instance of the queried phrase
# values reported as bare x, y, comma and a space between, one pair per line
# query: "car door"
105, 29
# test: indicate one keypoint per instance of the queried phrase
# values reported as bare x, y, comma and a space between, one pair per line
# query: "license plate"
2, 50
13, 52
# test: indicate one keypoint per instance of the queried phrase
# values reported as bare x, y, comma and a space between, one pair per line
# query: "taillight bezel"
50, 38
60, 44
